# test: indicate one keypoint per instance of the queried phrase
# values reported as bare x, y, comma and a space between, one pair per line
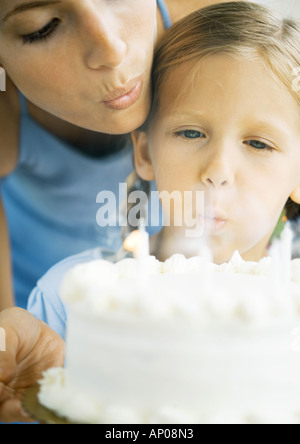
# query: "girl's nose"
106, 49
216, 181
218, 171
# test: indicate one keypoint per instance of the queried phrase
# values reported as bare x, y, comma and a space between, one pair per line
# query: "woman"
80, 84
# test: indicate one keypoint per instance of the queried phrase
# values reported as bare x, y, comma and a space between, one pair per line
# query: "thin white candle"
141, 254
281, 254
207, 274
286, 251
275, 271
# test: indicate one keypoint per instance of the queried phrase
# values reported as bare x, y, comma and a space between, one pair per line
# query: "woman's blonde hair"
237, 28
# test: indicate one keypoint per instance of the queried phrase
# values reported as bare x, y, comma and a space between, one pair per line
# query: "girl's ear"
142, 159
295, 196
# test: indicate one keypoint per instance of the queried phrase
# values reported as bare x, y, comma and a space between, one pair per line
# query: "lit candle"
138, 243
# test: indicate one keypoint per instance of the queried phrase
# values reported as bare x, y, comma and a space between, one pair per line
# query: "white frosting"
196, 343
238, 265
213, 291
295, 270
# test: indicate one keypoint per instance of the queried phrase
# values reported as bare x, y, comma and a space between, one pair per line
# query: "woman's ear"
142, 159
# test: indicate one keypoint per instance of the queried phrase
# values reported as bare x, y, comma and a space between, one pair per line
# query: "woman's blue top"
50, 202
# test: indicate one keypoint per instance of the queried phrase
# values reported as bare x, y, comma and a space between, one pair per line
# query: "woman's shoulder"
9, 128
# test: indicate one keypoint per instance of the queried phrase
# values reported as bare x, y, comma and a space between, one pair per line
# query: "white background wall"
290, 8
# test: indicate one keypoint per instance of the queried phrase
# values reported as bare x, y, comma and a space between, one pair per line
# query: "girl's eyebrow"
31, 5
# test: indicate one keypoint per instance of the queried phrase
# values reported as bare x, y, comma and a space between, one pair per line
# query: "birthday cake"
196, 343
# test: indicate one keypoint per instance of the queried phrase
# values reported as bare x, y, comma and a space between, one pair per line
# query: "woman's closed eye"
41, 34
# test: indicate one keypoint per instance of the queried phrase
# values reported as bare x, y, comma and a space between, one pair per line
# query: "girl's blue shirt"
45, 301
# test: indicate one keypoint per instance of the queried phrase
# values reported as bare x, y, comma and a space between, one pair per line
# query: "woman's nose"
105, 46
218, 169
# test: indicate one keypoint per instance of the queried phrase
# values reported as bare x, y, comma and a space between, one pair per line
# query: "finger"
11, 411
8, 368
5, 392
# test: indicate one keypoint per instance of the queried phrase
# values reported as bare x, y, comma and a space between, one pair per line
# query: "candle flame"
131, 243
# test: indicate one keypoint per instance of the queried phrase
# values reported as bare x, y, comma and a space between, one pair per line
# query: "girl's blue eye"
260, 146
191, 134
42, 33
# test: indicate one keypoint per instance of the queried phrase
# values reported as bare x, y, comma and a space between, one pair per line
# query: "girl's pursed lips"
214, 225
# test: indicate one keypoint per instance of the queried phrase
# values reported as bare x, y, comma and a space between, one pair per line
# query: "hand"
31, 348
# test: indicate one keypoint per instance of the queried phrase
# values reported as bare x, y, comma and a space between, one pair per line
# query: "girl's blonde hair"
237, 28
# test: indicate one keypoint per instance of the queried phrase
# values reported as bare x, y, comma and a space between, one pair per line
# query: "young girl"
83, 70
225, 122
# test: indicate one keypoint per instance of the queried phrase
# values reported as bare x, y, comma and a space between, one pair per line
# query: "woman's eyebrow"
26, 6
